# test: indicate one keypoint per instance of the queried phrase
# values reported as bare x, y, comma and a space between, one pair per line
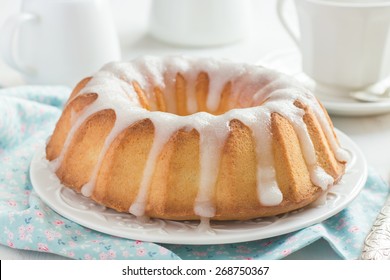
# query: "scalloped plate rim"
356, 175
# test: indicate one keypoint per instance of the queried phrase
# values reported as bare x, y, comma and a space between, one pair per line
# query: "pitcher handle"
8, 41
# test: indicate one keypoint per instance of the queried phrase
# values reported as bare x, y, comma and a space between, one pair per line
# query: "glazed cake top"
256, 93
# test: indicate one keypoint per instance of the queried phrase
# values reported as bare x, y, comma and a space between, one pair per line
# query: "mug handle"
280, 7
8, 38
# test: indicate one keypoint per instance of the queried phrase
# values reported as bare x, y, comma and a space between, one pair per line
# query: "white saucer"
84, 211
336, 103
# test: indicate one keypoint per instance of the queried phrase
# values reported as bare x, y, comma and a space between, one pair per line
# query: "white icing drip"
259, 123
122, 121
95, 107
204, 225
216, 84
295, 116
317, 174
320, 178
162, 134
340, 154
251, 84
212, 139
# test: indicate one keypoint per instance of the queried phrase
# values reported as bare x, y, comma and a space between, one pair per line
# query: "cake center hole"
183, 97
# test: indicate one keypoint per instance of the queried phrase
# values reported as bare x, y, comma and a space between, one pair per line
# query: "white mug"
200, 22
59, 41
344, 43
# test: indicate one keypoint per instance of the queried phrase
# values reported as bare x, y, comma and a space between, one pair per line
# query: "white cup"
59, 41
344, 44
200, 22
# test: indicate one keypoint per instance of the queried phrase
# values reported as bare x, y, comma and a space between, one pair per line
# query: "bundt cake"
195, 138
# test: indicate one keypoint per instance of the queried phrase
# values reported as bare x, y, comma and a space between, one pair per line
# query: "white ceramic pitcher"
59, 41
200, 22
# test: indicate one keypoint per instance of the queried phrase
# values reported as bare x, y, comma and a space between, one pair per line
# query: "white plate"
335, 101
84, 211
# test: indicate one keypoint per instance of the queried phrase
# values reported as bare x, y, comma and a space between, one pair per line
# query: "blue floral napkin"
27, 117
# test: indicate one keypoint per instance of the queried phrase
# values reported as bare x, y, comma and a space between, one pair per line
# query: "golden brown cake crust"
174, 184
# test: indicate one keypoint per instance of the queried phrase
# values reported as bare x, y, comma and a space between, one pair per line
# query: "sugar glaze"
257, 92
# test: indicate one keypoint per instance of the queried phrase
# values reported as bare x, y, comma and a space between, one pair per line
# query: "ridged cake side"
114, 170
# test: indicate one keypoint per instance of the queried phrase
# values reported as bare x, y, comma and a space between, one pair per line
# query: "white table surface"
372, 134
